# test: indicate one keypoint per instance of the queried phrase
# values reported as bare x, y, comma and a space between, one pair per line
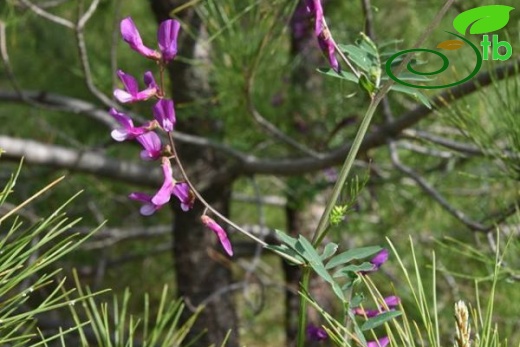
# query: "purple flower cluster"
316, 333
325, 40
391, 302
164, 120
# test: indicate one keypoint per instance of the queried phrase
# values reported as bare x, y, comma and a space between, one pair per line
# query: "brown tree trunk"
299, 217
202, 270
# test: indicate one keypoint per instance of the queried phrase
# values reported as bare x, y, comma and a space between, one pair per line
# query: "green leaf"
308, 250
352, 254
337, 290
367, 45
380, 319
310, 254
353, 269
413, 92
329, 250
286, 239
357, 300
483, 19
358, 56
286, 250
347, 285
367, 85
343, 74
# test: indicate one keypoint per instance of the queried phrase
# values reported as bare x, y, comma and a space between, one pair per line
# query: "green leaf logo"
483, 19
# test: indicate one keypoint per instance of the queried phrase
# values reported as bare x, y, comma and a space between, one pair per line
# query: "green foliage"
370, 62
27, 266
30, 286
117, 328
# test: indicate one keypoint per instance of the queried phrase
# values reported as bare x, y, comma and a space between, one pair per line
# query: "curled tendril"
445, 64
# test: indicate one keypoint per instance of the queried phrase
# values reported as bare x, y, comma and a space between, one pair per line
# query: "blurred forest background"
262, 134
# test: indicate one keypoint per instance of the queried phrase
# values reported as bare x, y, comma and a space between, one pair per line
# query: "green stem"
302, 316
321, 230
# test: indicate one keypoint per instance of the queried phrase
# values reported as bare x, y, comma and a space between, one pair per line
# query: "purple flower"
314, 8
148, 207
328, 47
315, 333
183, 193
131, 92
167, 39
133, 38
221, 234
149, 81
390, 301
379, 259
165, 192
127, 131
325, 41
164, 113
151, 144
382, 342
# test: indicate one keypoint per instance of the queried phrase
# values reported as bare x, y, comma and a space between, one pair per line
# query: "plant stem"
321, 230
302, 316
345, 170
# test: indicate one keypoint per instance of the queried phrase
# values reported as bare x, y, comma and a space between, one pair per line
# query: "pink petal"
151, 144
164, 113
122, 96
167, 38
122, 118
119, 134
382, 342
164, 194
131, 35
130, 83
221, 234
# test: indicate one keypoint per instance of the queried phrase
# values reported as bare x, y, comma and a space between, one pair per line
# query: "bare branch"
250, 164
47, 15
84, 59
84, 161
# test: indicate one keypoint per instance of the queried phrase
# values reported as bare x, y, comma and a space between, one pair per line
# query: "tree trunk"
299, 217
202, 270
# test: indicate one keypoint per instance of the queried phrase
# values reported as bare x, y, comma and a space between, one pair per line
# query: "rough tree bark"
201, 269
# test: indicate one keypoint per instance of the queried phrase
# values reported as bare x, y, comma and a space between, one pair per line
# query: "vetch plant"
344, 271
164, 120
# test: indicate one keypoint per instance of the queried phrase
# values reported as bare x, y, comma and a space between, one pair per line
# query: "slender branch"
432, 192
83, 161
247, 164
83, 56
47, 15
464, 148
369, 19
